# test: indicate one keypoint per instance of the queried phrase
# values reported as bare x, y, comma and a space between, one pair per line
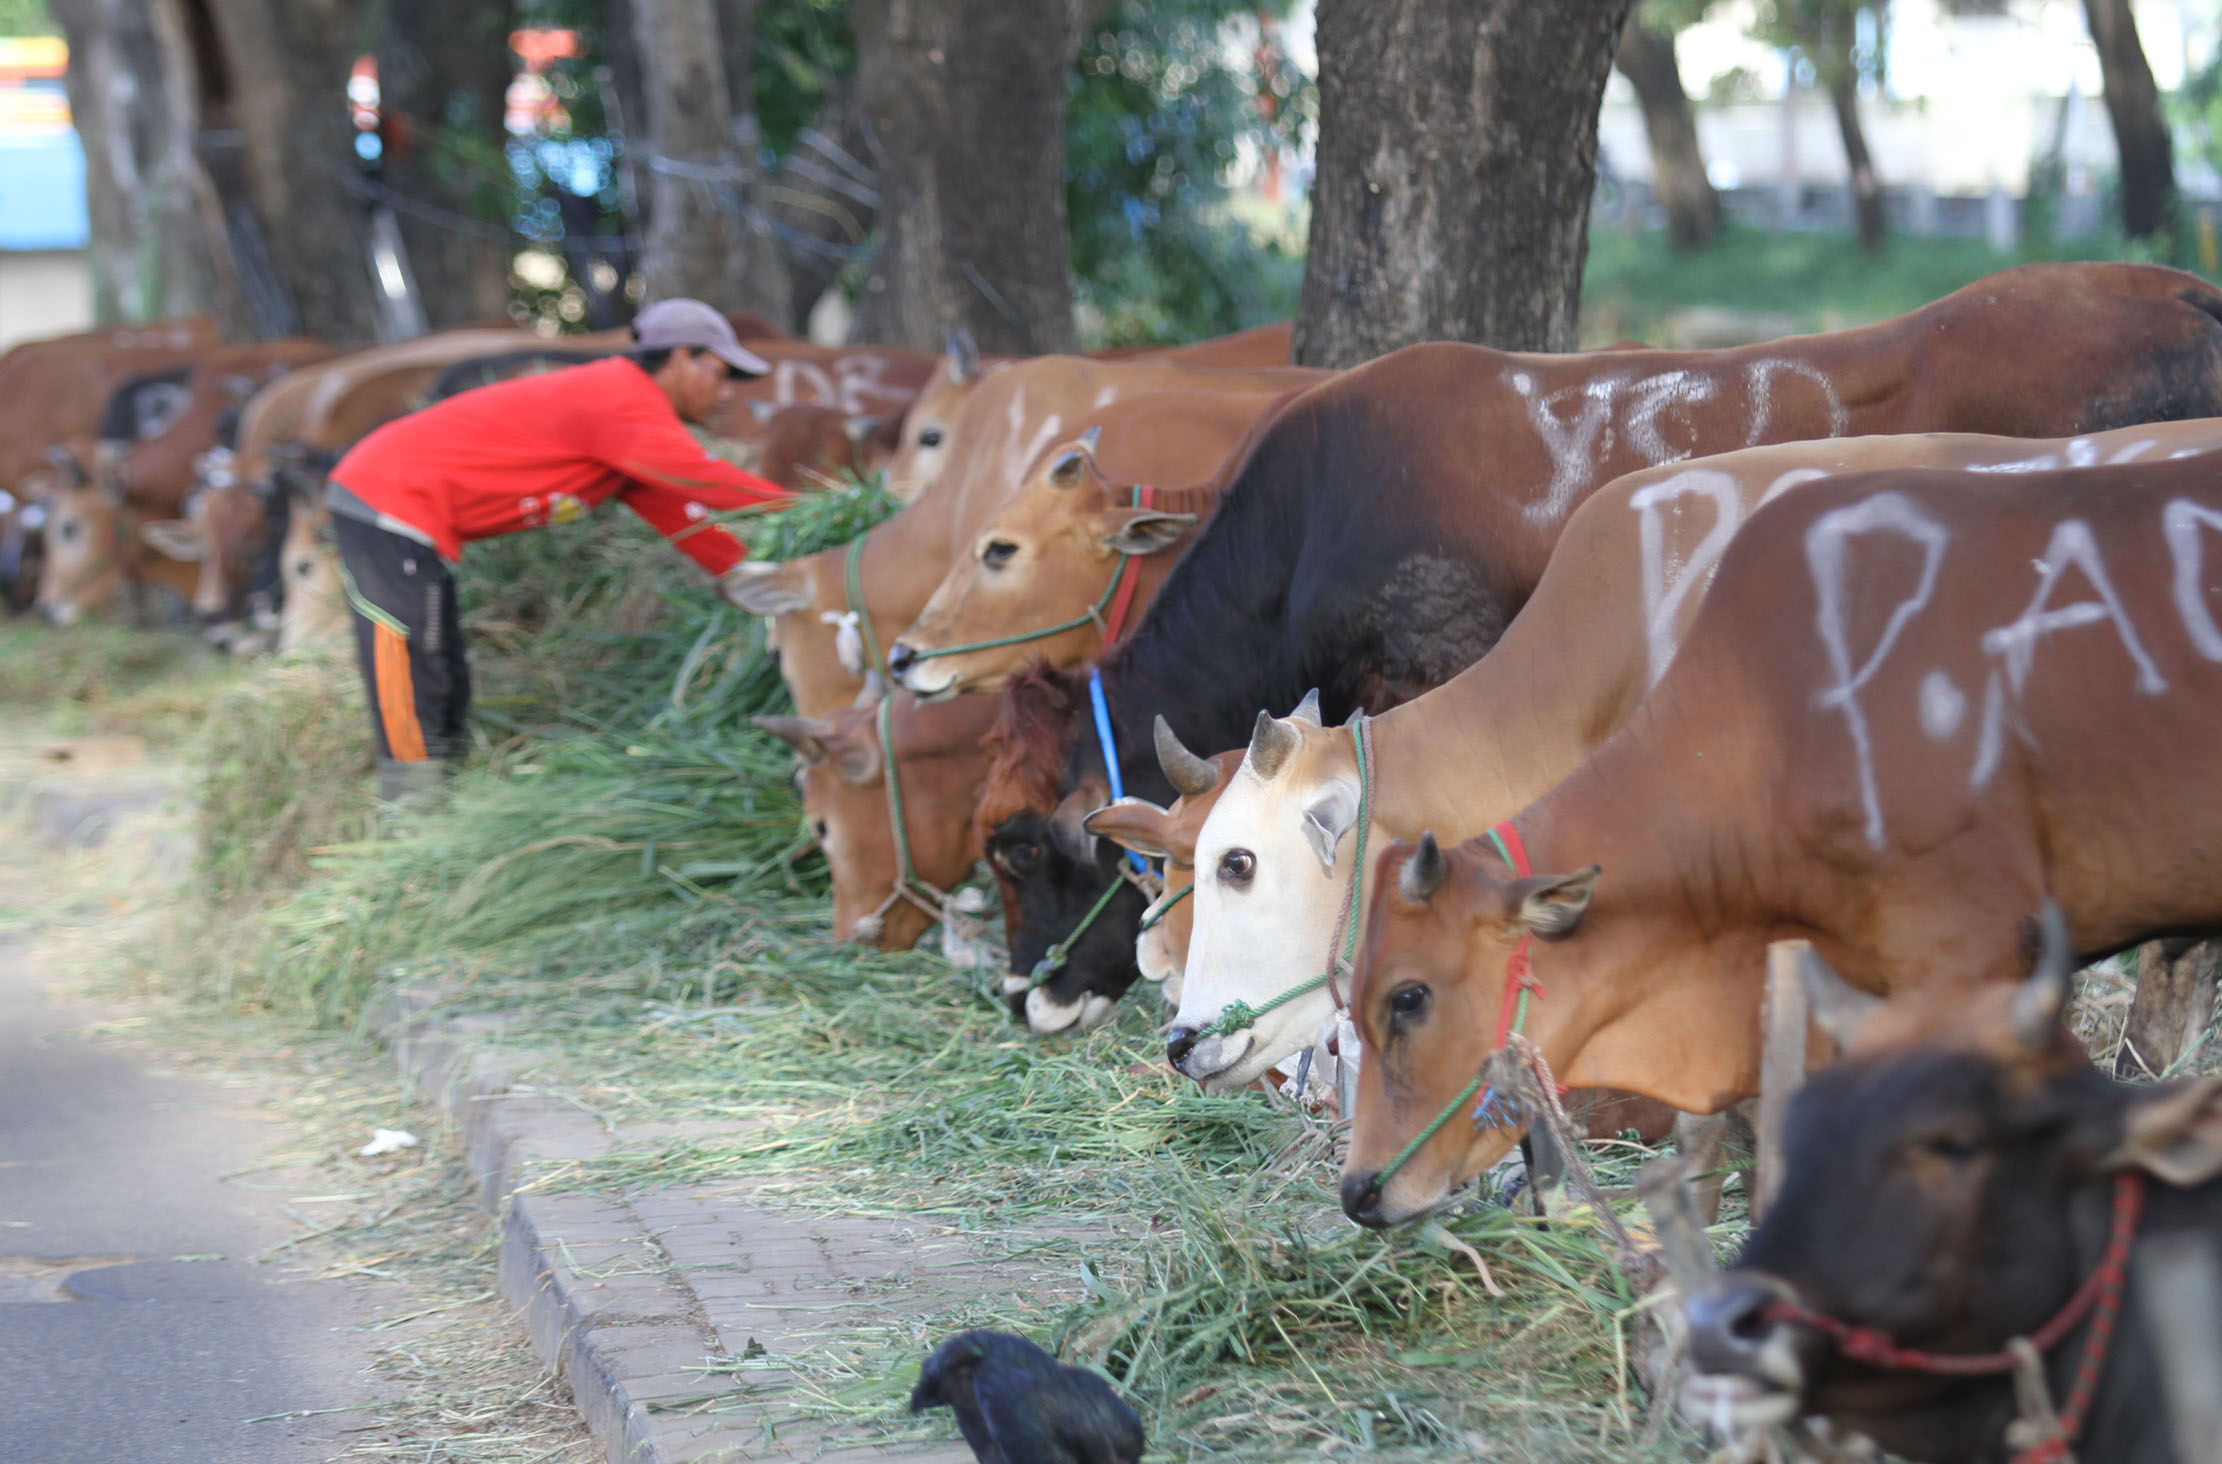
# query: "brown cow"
939, 761
1005, 424
1626, 580
1390, 522
1076, 549
926, 437
57, 389
1959, 1181
1912, 706
861, 381
810, 445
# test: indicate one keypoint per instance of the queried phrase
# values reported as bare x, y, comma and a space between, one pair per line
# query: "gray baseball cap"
670, 324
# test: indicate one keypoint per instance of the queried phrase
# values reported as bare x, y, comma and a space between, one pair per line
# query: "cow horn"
1307, 710
1090, 438
1423, 872
964, 356
1190, 775
2039, 1001
1271, 742
1839, 1008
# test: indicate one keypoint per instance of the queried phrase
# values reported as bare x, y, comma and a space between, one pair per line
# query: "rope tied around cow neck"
852, 590
1108, 614
1133, 870
910, 886
2040, 1435
1342, 946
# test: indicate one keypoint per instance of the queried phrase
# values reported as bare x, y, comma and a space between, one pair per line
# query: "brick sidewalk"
668, 1311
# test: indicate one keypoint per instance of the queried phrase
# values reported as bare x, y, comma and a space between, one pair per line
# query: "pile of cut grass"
110, 679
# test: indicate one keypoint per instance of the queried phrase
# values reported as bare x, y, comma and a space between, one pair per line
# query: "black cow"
1951, 1185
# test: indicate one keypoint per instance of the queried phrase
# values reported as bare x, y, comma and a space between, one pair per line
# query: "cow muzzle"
1751, 1369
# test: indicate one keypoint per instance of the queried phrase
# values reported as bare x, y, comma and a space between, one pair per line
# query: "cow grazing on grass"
1913, 705
1001, 430
1386, 527
1169, 835
1954, 1183
935, 748
1604, 624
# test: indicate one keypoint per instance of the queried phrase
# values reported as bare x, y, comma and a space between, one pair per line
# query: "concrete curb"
627, 1300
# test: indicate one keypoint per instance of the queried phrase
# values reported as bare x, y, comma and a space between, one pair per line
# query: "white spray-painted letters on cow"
1578, 423
1671, 574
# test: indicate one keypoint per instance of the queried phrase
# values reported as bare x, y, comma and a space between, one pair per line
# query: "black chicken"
1018, 1405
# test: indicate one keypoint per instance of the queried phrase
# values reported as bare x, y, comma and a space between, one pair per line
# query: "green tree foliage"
27, 18
1164, 98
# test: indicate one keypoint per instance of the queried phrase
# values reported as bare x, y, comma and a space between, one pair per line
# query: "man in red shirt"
520, 453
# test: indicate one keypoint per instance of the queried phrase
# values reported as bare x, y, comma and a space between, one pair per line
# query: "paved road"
135, 1325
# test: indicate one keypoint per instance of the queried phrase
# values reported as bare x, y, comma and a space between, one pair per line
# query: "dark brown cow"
57, 389
809, 445
1913, 705
862, 381
1389, 523
939, 759
1951, 1186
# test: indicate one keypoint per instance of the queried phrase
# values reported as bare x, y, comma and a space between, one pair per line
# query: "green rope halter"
930, 898
1164, 907
852, 589
1093, 616
1237, 1015
1056, 956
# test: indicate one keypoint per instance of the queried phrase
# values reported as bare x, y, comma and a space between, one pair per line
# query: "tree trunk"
443, 70
826, 198
289, 61
964, 104
705, 238
1867, 189
1457, 155
1646, 58
158, 246
2140, 128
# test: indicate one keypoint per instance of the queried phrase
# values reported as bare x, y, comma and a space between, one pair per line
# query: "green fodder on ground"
620, 872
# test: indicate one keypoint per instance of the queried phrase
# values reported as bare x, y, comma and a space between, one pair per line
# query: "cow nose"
1179, 1042
1730, 1325
1361, 1199
900, 658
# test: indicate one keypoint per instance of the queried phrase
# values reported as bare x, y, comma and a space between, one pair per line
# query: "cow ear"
1068, 825
1328, 818
1069, 469
2175, 1134
1133, 824
1423, 871
1145, 530
1552, 905
806, 735
1838, 1007
173, 538
771, 589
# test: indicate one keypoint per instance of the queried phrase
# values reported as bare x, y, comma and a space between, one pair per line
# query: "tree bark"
706, 238
2140, 128
158, 246
825, 192
964, 104
1867, 189
289, 61
443, 70
1646, 58
1457, 155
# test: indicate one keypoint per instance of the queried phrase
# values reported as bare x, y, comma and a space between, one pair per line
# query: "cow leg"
1786, 1040
1716, 1144
2169, 1013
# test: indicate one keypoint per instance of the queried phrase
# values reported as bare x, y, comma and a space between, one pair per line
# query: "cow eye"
998, 552
1236, 866
66, 530
1020, 858
1953, 1148
929, 437
1408, 1000
818, 829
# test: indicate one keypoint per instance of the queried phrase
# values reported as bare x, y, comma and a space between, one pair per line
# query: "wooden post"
2174, 999
1782, 1020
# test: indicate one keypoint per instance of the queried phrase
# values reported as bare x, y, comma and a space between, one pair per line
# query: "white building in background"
1967, 104
45, 279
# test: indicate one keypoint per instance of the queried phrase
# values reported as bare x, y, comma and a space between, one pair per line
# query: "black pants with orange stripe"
415, 675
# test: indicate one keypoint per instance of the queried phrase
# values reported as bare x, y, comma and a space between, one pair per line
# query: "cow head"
1272, 860
1441, 927
312, 606
1043, 560
842, 772
923, 448
1948, 1185
1170, 834
1051, 871
818, 649
83, 571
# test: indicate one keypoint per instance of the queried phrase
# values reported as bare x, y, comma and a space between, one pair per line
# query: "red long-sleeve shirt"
547, 449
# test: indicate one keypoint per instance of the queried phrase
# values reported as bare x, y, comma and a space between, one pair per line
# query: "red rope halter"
2099, 1297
